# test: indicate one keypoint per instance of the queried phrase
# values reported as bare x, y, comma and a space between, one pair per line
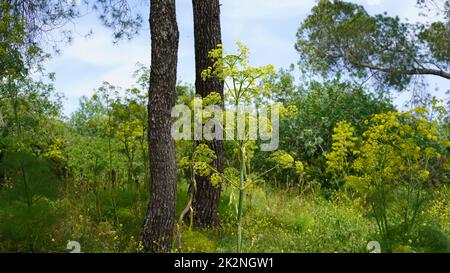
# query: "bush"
394, 169
29, 229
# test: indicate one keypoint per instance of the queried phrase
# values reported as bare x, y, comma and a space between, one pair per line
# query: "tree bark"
157, 231
207, 34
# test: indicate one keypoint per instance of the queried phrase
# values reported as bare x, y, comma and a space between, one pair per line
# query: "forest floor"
283, 221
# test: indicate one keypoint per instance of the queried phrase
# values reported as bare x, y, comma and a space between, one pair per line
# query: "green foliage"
29, 178
432, 240
86, 156
202, 158
435, 36
30, 108
307, 135
243, 83
17, 54
321, 107
29, 229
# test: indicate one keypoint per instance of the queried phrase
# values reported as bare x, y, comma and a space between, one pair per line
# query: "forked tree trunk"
157, 232
207, 36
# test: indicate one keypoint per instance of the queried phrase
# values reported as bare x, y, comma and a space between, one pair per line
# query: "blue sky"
267, 27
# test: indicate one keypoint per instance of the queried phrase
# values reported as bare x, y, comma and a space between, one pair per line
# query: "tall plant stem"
241, 195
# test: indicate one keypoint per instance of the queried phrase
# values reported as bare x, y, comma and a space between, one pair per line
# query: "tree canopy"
343, 38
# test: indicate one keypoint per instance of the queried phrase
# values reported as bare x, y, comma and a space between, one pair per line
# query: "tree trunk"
207, 36
157, 232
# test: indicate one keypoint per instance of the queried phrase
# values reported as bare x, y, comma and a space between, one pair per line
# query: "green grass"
274, 221
283, 222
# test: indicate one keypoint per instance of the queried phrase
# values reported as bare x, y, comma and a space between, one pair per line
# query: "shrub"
393, 169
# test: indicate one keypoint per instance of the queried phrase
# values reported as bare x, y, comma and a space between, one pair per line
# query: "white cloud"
99, 49
268, 27
265, 9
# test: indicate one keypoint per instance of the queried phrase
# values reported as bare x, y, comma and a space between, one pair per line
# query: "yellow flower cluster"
440, 210
216, 180
343, 145
397, 147
290, 111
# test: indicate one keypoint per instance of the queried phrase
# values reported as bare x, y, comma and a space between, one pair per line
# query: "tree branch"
414, 71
